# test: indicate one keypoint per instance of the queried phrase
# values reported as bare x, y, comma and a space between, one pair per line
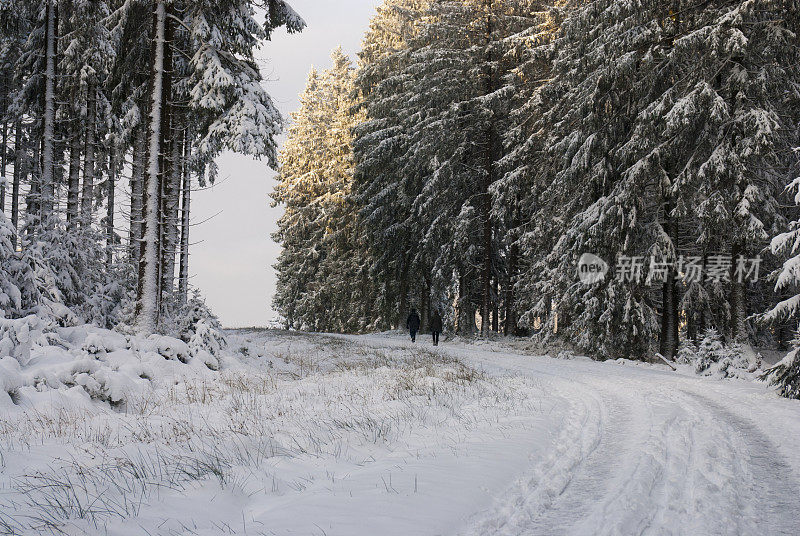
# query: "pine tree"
449, 75
231, 109
322, 273
383, 192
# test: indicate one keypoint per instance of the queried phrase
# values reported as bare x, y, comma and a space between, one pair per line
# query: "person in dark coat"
436, 326
412, 323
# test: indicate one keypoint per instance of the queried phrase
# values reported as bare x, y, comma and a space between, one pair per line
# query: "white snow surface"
366, 435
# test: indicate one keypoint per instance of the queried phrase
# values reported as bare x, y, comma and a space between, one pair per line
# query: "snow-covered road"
644, 450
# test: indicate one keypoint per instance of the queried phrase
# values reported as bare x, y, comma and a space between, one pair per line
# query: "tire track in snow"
566, 485
533, 494
700, 470
683, 465
684, 479
773, 491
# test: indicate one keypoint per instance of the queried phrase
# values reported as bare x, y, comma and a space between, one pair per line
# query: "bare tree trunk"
489, 179
33, 199
73, 182
669, 318
466, 310
496, 308
137, 190
738, 302
183, 270
3, 158
423, 311
403, 312
19, 163
167, 164
148, 306
47, 185
171, 203
691, 326
669, 298
89, 159
112, 180
510, 321
487, 268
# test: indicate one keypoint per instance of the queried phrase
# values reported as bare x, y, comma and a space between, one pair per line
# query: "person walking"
412, 323
436, 326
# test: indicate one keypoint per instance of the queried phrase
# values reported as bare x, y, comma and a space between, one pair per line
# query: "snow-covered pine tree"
10, 296
232, 109
297, 188
426, 193
343, 280
651, 130
786, 374
88, 54
383, 192
515, 194
35, 72
127, 87
13, 33
719, 131
583, 200
322, 270
464, 88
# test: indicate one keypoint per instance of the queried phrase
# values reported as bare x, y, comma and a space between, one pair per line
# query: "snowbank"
106, 366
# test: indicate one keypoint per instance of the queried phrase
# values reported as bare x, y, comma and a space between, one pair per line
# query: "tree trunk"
19, 163
112, 179
167, 164
33, 199
489, 179
669, 318
403, 312
496, 308
668, 346
738, 302
172, 187
47, 185
3, 162
183, 269
691, 326
423, 309
73, 182
459, 308
466, 311
137, 191
89, 159
510, 323
148, 306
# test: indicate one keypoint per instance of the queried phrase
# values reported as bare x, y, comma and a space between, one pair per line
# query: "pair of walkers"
413, 322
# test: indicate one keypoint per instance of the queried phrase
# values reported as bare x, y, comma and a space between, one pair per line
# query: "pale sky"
232, 254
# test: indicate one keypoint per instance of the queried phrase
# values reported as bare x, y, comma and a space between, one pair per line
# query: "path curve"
643, 451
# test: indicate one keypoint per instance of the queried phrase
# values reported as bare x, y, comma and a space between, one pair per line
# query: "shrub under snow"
712, 357
37, 356
786, 374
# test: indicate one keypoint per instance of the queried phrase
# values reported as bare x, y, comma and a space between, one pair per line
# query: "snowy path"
646, 451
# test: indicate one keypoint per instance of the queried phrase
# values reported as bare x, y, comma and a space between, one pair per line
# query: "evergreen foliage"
323, 279
95, 91
500, 141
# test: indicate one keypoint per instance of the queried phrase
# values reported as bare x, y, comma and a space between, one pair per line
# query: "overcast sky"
232, 254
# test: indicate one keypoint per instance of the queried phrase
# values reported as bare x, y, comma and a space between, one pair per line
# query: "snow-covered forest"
478, 148
107, 98
598, 201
